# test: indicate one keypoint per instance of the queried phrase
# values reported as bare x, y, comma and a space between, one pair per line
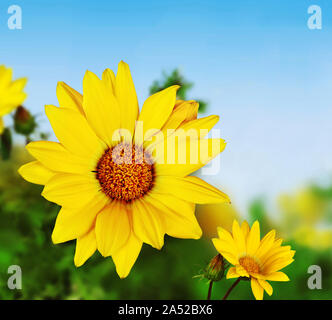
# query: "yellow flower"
108, 202
259, 260
11, 93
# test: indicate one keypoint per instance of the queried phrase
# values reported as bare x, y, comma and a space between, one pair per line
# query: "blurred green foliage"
176, 78
24, 124
6, 142
48, 271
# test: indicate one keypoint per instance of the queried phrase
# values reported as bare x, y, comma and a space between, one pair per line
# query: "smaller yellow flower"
259, 260
11, 93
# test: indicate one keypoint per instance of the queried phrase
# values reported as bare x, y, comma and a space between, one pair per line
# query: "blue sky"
262, 70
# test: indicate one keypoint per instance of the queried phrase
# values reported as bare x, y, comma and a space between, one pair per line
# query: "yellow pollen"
249, 264
125, 172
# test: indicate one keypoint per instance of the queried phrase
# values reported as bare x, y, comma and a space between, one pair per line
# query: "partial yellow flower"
259, 260
11, 93
304, 205
312, 237
112, 206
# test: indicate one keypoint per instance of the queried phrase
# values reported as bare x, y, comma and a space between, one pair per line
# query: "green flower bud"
24, 122
215, 269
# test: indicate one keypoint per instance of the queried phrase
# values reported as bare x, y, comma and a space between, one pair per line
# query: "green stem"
210, 290
231, 288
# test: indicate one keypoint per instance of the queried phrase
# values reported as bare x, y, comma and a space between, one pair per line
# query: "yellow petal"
179, 215
126, 95
18, 85
55, 157
101, 108
253, 239
190, 189
184, 156
227, 247
238, 237
201, 125
277, 265
229, 256
148, 224
10, 101
192, 107
257, 290
74, 133
112, 228
241, 271
69, 98
266, 286
2, 126
75, 223
277, 243
125, 257
35, 172
86, 246
276, 249
157, 109
225, 235
6, 75
109, 80
71, 190
232, 273
266, 244
183, 111
257, 276
277, 276
273, 255
292, 253
245, 229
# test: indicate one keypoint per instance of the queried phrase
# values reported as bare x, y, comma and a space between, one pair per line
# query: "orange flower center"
249, 264
125, 172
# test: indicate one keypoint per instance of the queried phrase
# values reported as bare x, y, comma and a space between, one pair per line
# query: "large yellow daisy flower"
11, 93
259, 260
110, 202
